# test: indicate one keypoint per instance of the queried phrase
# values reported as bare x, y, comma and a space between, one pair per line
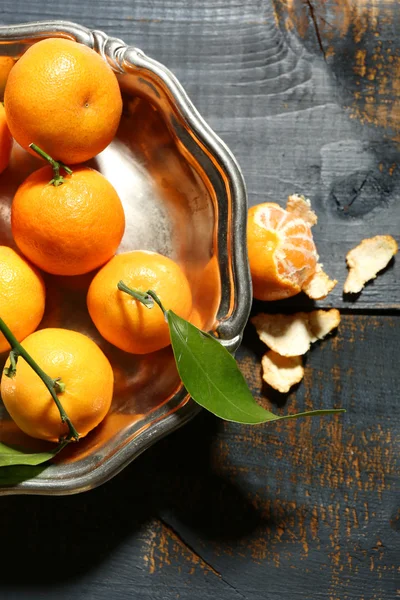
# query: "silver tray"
184, 196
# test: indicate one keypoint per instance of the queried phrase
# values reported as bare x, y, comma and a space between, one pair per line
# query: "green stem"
56, 165
12, 369
144, 297
147, 298
157, 300
53, 385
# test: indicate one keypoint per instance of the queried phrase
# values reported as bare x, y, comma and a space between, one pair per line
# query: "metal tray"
184, 196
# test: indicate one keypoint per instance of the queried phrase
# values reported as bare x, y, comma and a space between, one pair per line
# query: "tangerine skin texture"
6, 64
64, 97
22, 295
281, 250
5, 141
124, 321
70, 229
82, 367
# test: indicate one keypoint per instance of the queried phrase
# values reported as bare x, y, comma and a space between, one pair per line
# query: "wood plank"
300, 509
303, 509
298, 118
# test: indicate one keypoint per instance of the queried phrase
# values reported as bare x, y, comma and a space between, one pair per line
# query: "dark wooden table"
306, 94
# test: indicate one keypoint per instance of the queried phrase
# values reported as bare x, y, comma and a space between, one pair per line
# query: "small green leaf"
13, 456
211, 376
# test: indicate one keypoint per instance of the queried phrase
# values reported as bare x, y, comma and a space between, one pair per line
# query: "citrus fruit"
124, 321
22, 295
6, 64
282, 253
68, 229
5, 140
82, 367
64, 97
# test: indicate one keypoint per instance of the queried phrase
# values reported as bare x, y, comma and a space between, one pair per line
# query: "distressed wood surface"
301, 509
306, 94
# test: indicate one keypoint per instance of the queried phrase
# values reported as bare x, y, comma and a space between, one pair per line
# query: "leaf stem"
224, 391
53, 385
56, 165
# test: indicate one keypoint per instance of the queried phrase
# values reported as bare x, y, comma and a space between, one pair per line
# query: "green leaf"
10, 456
19, 473
211, 376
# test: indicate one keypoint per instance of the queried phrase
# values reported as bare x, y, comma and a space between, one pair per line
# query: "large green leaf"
211, 376
10, 456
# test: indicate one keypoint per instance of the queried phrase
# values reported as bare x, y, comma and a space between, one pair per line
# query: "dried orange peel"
282, 254
282, 372
367, 259
292, 335
320, 284
300, 206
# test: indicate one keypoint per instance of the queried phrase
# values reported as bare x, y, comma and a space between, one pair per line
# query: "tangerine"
5, 141
124, 321
22, 295
68, 229
81, 366
62, 96
6, 64
282, 254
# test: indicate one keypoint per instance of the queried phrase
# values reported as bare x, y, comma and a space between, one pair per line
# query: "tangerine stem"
157, 300
146, 298
143, 297
56, 165
53, 385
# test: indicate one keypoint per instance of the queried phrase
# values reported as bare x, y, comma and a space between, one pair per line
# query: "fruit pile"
62, 102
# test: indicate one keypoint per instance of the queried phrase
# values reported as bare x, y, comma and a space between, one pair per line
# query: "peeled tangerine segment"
292, 335
282, 372
320, 285
367, 259
300, 206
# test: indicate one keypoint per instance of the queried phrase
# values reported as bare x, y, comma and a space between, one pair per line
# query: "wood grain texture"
295, 89
302, 509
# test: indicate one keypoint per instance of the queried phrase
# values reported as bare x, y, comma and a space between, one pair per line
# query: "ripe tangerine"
124, 321
62, 96
22, 295
69, 229
5, 141
82, 367
282, 253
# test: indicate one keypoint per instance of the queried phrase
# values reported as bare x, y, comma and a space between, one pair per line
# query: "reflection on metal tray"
184, 196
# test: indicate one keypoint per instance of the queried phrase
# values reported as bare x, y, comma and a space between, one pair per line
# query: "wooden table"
306, 94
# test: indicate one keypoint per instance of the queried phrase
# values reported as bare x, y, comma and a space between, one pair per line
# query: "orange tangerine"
5, 140
282, 253
6, 64
22, 295
69, 229
82, 367
124, 321
62, 96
